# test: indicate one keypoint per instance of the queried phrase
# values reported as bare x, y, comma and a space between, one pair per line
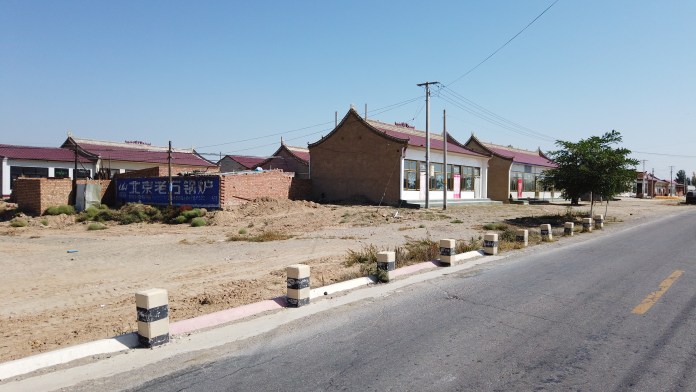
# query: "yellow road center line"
652, 298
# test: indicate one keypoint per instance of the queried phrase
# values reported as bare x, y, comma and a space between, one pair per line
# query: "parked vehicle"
691, 197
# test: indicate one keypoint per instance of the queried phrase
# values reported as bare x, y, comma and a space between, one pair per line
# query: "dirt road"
62, 284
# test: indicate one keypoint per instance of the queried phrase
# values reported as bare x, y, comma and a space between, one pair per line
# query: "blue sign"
199, 191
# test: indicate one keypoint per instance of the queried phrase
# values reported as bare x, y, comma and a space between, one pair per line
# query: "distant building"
237, 163
513, 172
368, 160
40, 162
289, 159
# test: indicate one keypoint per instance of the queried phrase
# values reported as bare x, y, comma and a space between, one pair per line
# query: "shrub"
99, 214
457, 221
266, 236
180, 219
44, 222
62, 209
96, 226
473, 244
198, 222
366, 255
136, 213
242, 231
495, 226
18, 222
191, 214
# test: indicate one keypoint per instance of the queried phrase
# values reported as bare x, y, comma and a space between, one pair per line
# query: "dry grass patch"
266, 236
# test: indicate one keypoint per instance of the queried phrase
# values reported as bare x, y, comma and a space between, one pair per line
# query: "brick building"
289, 159
237, 163
514, 172
40, 162
377, 162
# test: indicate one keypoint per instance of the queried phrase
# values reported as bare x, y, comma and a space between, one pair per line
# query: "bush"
263, 237
96, 226
367, 255
180, 219
136, 213
242, 231
18, 222
191, 214
44, 222
198, 222
62, 209
99, 214
495, 226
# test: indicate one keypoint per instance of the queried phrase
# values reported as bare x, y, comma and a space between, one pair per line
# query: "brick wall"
35, 195
163, 171
273, 184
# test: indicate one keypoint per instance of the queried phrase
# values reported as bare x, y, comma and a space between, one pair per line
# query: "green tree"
592, 166
680, 178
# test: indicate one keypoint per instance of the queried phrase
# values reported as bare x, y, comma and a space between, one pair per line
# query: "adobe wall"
355, 163
499, 179
252, 185
286, 162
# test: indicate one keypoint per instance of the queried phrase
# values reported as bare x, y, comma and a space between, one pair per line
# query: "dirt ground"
62, 284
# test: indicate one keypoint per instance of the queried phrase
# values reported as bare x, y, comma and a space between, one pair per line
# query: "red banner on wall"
519, 188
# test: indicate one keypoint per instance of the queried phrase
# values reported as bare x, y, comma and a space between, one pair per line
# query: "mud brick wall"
273, 184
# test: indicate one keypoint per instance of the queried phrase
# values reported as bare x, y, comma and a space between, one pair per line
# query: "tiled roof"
138, 152
247, 161
417, 138
39, 153
520, 156
302, 153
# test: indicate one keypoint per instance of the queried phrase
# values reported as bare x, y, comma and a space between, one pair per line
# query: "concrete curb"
128, 341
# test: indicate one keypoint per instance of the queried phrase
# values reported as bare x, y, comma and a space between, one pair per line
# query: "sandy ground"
53, 298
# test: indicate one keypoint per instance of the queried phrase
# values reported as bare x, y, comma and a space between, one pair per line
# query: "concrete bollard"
490, 243
568, 228
386, 261
522, 236
599, 222
298, 285
152, 307
587, 225
448, 249
546, 234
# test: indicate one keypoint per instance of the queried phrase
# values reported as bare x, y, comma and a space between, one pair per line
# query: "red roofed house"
237, 163
288, 159
39, 162
385, 164
514, 172
114, 157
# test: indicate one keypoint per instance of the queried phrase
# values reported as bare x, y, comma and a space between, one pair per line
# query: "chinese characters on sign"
191, 191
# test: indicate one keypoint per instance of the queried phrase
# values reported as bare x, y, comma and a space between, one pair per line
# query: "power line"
502, 46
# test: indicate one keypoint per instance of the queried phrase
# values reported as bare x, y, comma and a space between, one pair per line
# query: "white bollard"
568, 228
448, 251
298, 285
599, 221
152, 307
490, 243
587, 225
546, 234
522, 236
386, 261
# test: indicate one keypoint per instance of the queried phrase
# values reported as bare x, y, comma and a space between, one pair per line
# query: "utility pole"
444, 163
74, 177
427, 140
644, 175
169, 164
671, 180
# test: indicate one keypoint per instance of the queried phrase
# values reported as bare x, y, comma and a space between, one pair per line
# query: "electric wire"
502, 46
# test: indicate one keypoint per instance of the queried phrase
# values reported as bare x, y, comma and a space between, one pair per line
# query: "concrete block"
386, 261
568, 228
490, 243
152, 308
599, 221
298, 284
522, 235
546, 233
448, 251
587, 225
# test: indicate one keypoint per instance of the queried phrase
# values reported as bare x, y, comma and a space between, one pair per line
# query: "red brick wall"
273, 184
35, 195
163, 171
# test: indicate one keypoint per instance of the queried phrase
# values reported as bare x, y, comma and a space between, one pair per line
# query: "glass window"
437, 181
61, 173
83, 173
411, 175
30, 172
469, 175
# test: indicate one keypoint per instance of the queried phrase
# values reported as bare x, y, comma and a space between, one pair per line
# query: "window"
30, 172
83, 173
61, 173
451, 171
469, 174
437, 179
411, 175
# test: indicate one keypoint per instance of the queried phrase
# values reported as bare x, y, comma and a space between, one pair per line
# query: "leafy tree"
693, 178
591, 166
680, 177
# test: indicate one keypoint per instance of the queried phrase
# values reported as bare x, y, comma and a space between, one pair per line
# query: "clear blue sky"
207, 73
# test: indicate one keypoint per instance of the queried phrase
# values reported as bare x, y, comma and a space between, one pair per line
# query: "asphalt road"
560, 318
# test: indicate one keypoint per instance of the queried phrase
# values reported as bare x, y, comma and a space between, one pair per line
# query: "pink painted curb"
225, 316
